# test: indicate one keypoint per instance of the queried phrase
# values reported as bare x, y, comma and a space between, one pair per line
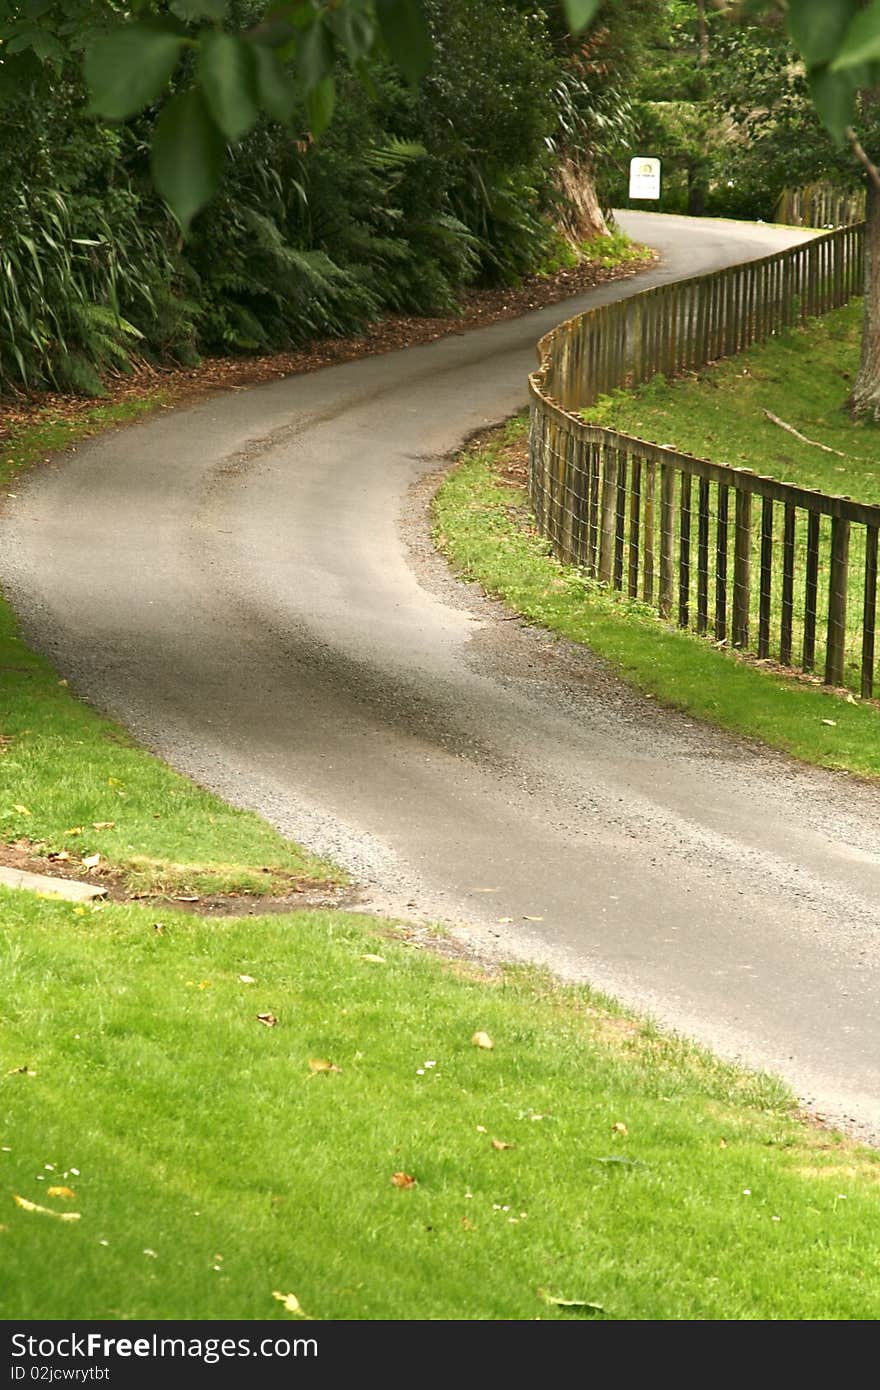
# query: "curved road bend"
247, 585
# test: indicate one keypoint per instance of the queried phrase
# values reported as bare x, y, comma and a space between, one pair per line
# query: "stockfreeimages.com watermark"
96, 1346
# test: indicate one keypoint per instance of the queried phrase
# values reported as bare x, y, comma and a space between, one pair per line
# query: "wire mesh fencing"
785, 572
685, 325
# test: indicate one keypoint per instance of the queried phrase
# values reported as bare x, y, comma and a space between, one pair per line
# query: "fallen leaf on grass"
268, 1019
103, 825
60, 856
247, 979
467, 1224
500, 1145
66, 1192
831, 722
319, 1064
74, 830
374, 960
619, 1128
555, 1302
21, 1071
91, 861
44, 1211
403, 1180
483, 1040
22, 810
290, 1303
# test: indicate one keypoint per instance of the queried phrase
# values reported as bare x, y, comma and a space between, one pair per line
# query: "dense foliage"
729, 102
412, 192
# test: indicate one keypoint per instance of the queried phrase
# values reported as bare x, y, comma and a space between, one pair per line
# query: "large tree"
839, 44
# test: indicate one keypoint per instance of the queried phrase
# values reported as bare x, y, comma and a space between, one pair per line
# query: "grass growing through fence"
483, 524
211, 1166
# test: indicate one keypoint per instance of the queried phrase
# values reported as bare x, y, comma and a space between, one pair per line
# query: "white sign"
644, 177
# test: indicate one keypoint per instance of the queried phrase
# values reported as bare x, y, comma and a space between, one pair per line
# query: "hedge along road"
248, 585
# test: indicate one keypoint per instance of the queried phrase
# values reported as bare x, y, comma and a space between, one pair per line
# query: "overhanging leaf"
407, 37
320, 102
187, 155
355, 32
275, 90
862, 41
818, 29
227, 73
127, 70
579, 13
315, 54
834, 97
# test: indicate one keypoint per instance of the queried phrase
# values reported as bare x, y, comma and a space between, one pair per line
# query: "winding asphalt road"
248, 585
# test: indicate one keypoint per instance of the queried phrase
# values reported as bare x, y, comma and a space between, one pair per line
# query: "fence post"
721, 563
703, 557
684, 551
811, 589
788, 536
667, 524
635, 508
620, 517
837, 595
742, 562
766, 590
869, 613
648, 567
608, 521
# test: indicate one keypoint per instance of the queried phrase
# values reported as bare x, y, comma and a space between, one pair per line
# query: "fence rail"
754, 563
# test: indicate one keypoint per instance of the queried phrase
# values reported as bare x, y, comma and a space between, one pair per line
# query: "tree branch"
863, 157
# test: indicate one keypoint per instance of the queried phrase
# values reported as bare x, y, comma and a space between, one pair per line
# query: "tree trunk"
864, 402
581, 218
702, 33
696, 192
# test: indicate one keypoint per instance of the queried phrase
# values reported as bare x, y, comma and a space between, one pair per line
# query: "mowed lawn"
194, 1161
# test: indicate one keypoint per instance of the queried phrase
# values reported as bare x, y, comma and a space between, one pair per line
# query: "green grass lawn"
803, 377
74, 783
482, 522
211, 1167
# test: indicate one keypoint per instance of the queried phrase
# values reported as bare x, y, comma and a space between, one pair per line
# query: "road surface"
247, 585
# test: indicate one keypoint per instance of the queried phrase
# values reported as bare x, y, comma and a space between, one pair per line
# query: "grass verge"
211, 1166
483, 524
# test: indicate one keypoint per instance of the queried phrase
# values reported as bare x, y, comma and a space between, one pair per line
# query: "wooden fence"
820, 205
781, 570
